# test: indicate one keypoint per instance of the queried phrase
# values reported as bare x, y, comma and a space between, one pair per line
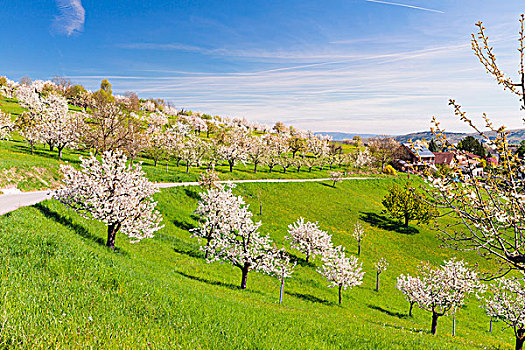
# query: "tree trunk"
284, 170
377, 282
32, 147
454, 325
245, 270
271, 168
333, 185
433, 329
281, 293
187, 167
231, 166
60, 152
520, 339
406, 220
155, 161
340, 292
255, 168
358, 248
178, 162
112, 233
307, 258
167, 166
490, 325
410, 310
309, 170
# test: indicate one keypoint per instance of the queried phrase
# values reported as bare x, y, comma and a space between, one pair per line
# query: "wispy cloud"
387, 93
71, 18
405, 5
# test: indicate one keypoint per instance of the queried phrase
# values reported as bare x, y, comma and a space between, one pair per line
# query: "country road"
13, 201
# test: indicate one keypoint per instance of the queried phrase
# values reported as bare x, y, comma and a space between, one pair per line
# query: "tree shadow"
386, 223
388, 312
325, 184
25, 148
298, 260
184, 225
192, 193
310, 298
79, 229
213, 283
190, 252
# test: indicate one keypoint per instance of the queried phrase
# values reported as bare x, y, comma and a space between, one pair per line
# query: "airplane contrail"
405, 5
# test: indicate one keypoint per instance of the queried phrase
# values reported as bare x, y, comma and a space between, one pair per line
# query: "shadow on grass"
386, 223
79, 229
192, 193
190, 252
299, 261
46, 153
310, 298
213, 283
326, 184
388, 312
184, 225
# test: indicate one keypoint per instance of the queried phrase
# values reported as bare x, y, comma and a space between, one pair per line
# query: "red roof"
444, 158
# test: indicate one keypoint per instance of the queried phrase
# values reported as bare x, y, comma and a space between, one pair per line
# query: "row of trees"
230, 234
158, 131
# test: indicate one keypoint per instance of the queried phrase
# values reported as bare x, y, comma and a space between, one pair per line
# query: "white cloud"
71, 18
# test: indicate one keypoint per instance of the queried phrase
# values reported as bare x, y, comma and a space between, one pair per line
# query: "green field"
60, 287
42, 169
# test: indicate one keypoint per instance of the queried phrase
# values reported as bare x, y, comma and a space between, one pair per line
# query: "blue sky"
356, 65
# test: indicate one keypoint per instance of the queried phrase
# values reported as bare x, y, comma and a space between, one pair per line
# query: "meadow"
62, 288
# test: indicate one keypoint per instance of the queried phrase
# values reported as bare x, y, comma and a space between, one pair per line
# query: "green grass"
42, 169
61, 288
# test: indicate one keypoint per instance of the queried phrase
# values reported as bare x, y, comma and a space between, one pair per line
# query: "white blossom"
308, 238
341, 271
115, 193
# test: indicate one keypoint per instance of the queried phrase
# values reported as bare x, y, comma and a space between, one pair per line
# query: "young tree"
336, 176
256, 151
308, 238
156, 141
209, 179
115, 193
359, 234
380, 267
282, 268
341, 271
296, 144
406, 204
383, 149
239, 243
285, 162
441, 290
6, 125
507, 303
410, 287
216, 209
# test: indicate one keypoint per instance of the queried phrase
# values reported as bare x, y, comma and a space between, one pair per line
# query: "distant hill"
340, 136
515, 136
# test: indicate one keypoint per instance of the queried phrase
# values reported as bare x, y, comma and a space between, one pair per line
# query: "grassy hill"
61, 288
